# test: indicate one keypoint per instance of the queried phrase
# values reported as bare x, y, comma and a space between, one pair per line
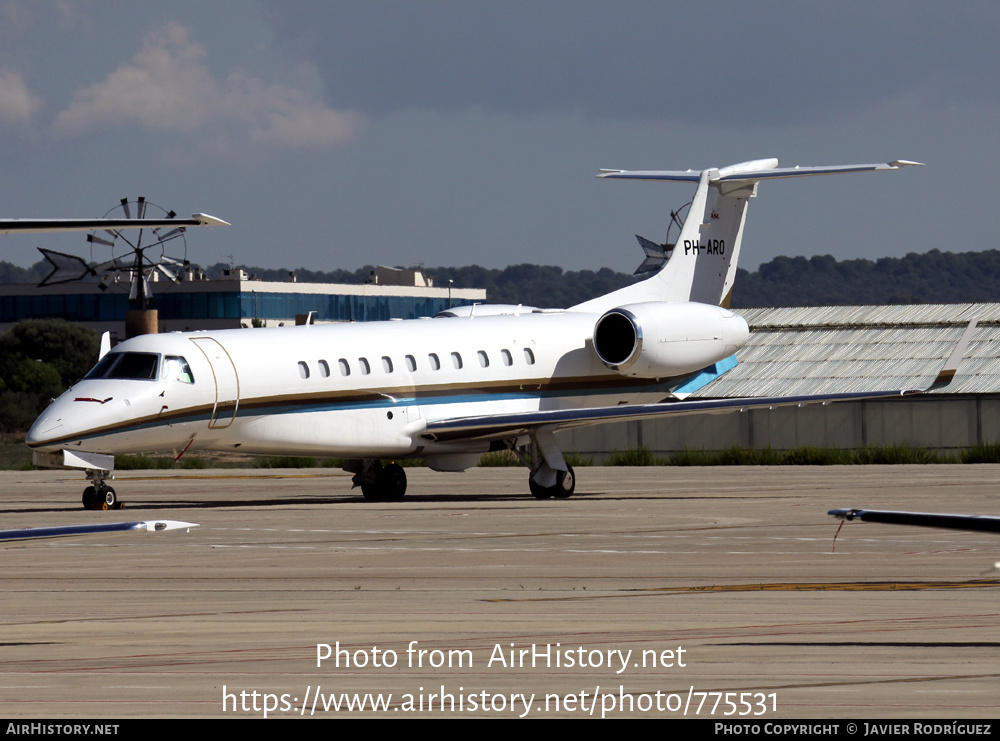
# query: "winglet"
845, 514
950, 368
159, 526
206, 220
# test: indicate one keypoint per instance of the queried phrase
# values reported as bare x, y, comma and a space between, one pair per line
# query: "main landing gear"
378, 482
99, 495
556, 480
563, 488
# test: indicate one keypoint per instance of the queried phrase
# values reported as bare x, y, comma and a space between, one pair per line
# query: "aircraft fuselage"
362, 390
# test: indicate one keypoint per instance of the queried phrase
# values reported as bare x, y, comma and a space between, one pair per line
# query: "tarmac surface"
648, 588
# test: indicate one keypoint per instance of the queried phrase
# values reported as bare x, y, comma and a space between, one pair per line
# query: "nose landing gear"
99, 495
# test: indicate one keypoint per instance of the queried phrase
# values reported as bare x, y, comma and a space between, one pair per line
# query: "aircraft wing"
35, 226
69, 531
500, 426
518, 424
979, 523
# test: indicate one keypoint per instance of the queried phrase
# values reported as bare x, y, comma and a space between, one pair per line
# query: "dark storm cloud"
758, 63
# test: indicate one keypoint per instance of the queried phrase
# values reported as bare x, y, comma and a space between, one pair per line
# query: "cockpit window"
176, 368
103, 365
139, 366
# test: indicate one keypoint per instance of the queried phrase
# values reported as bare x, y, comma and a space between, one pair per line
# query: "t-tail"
702, 266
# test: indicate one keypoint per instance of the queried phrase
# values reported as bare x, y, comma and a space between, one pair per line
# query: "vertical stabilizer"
702, 267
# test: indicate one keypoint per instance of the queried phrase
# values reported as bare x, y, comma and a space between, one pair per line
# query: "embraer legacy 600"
447, 389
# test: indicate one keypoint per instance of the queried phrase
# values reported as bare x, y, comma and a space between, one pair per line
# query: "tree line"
928, 278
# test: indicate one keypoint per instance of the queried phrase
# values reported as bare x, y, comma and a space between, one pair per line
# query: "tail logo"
715, 214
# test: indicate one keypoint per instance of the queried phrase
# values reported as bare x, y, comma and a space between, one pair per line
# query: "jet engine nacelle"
659, 340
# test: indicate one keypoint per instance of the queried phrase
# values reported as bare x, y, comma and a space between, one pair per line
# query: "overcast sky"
336, 134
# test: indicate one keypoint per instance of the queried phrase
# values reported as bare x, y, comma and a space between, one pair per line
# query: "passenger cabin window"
324, 369
387, 364
365, 368
507, 359
411, 363
345, 367
529, 357
303, 369
432, 358
456, 360
176, 368
484, 359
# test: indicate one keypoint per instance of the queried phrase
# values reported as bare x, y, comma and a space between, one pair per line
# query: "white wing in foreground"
978, 523
70, 531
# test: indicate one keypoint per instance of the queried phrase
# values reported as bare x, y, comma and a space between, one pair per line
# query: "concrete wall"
947, 423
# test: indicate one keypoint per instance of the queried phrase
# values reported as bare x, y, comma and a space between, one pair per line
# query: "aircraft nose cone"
45, 428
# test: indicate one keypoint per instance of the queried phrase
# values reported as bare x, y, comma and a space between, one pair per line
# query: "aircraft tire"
565, 484
563, 489
371, 484
538, 491
388, 483
90, 498
392, 481
110, 498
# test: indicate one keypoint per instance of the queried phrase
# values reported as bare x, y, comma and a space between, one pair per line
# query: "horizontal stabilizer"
656, 256
751, 171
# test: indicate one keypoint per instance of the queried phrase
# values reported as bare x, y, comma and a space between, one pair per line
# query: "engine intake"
660, 340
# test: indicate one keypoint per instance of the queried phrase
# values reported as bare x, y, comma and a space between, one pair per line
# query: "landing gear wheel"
565, 484
393, 481
100, 497
370, 482
384, 482
563, 489
538, 491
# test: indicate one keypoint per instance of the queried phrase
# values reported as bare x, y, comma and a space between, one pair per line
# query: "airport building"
822, 349
238, 300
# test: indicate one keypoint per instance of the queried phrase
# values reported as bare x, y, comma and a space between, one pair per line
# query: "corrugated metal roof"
810, 350
867, 315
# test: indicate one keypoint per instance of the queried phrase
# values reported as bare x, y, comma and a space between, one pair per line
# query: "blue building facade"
232, 303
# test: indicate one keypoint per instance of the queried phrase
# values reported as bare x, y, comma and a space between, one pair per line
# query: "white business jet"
445, 390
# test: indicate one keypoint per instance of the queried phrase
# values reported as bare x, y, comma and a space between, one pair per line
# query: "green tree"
69, 348
39, 359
